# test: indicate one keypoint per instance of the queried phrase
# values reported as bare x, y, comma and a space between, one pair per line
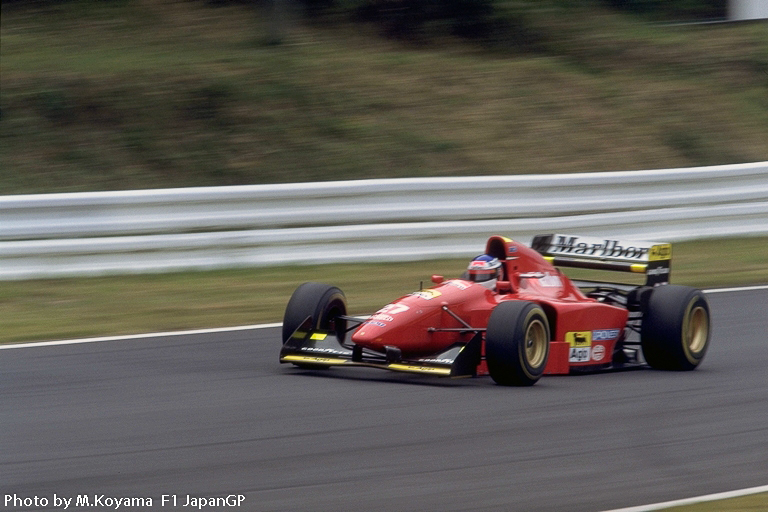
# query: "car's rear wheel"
517, 343
676, 328
323, 304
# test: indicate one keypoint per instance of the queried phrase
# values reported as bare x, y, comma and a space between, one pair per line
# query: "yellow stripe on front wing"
419, 369
291, 358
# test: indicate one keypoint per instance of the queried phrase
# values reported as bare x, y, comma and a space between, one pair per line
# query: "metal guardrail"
368, 220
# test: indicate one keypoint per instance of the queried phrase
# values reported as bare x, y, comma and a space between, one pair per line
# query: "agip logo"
580, 346
579, 339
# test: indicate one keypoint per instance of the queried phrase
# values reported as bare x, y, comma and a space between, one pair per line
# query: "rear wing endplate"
649, 258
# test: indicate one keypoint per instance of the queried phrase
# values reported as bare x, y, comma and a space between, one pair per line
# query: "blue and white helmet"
483, 268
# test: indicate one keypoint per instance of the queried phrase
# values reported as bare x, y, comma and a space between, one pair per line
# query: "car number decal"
393, 309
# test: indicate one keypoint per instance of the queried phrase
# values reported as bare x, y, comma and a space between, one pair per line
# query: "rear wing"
649, 258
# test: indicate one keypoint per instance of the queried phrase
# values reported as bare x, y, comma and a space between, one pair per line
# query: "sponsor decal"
550, 281
578, 355
373, 322
580, 343
660, 252
545, 279
461, 285
598, 352
600, 248
322, 350
381, 317
605, 334
579, 339
420, 369
658, 271
312, 359
427, 294
436, 361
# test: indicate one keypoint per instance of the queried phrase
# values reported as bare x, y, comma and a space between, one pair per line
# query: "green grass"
124, 95
753, 503
69, 308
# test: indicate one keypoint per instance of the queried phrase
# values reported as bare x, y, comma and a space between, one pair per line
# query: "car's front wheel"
323, 303
517, 343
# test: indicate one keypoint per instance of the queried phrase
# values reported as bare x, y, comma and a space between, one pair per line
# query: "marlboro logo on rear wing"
649, 258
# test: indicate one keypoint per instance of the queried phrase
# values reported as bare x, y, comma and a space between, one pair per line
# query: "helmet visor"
481, 276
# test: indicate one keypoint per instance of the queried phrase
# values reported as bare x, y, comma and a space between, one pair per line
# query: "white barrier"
367, 220
747, 10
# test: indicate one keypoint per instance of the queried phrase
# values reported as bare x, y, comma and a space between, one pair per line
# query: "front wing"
310, 347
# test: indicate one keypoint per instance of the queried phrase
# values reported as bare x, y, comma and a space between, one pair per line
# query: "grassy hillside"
145, 94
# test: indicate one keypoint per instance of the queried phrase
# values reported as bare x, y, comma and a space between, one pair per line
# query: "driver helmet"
483, 268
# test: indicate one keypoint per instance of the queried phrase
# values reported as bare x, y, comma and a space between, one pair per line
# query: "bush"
415, 19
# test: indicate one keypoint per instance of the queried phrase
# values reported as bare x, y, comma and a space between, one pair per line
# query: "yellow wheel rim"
536, 343
697, 330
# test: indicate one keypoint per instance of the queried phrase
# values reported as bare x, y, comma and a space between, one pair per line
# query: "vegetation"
127, 94
144, 94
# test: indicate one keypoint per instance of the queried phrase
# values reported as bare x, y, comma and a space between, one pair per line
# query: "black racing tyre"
517, 343
322, 302
676, 328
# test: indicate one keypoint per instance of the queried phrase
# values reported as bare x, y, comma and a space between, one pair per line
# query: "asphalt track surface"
212, 415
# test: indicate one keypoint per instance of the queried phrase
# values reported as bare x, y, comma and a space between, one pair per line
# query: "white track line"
693, 501
243, 328
739, 289
138, 336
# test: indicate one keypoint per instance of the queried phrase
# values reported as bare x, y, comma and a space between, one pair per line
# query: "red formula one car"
514, 316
